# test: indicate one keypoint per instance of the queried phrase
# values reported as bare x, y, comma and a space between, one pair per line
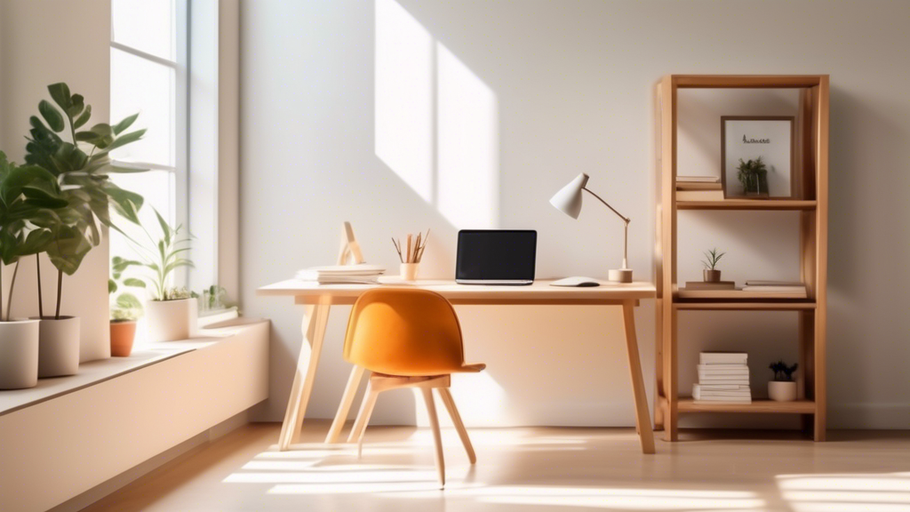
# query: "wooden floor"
538, 469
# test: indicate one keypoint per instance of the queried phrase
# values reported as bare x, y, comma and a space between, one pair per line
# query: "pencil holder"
409, 271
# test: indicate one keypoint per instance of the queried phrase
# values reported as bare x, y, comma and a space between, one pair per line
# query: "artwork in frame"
757, 157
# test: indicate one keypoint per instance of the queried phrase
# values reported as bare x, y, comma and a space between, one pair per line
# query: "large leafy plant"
161, 257
27, 195
753, 176
80, 161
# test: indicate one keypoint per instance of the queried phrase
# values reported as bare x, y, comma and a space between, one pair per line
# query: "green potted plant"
81, 165
753, 176
782, 388
711, 274
25, 193
125, 308
170, 311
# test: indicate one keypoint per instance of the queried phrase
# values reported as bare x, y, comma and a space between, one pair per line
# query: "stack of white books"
342, 274
723, 377
782, 289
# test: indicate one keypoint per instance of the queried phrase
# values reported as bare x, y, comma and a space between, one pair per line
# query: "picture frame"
749, 137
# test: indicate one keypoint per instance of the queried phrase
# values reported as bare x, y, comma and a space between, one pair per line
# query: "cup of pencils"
410, 253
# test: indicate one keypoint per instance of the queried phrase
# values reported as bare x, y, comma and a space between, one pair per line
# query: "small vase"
19, 354
409, 271
58, 346
782, 391
711, 276
170, 320
122, 336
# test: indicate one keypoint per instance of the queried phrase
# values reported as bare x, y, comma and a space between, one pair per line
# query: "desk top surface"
539, 292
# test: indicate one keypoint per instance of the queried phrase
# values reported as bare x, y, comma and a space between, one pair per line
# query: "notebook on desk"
496, 257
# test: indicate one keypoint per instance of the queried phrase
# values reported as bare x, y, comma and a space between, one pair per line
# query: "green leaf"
117, 169
82, 119
60, 92
52, 116
123, 140
68, 249
126, 123
111, 286
128, 301
165, 227
77, 106
134, 282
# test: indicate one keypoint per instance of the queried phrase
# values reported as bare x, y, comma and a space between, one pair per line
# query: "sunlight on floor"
885, 492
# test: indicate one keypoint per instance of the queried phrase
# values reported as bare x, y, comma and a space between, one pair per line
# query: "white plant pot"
58, 346
170, 320
19, 354
782, 391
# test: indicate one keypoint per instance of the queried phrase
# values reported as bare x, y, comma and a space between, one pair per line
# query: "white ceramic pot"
782, 391
18, 354
170, 320
409, 271
58, 346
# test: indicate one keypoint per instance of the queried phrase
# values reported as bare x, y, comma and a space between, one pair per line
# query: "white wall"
43, 42
400, 115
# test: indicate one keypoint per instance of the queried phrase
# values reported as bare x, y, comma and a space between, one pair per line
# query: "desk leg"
345, 406
642, 417
314, 321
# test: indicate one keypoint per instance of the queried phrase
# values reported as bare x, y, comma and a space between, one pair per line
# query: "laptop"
505, 257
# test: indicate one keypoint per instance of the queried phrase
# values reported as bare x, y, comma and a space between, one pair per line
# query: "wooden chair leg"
363, 417
345, 406
437, 437
446, 396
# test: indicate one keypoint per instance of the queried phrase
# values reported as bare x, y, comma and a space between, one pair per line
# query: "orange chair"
408, 338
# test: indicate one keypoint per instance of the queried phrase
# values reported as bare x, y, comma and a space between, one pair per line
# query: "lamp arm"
626, 220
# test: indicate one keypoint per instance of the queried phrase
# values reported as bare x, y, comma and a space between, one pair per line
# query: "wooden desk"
319, 298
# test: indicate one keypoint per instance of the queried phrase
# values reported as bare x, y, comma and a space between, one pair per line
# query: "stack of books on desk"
342, 274
723, 377
699, 188
780, 289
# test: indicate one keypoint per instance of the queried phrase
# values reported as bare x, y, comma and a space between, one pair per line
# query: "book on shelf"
708, 392
792, 292
698, 179
759, 282
698, 185
700, 195
726, 358
702, 285
760, 293
723, 400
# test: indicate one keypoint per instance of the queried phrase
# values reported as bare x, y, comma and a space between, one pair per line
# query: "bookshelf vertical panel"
821, 259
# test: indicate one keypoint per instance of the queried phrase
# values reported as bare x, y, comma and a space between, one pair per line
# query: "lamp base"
620, 275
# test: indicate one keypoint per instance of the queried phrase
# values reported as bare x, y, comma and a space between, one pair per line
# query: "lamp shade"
568, 199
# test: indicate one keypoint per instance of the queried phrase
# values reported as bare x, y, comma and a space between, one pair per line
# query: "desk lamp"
568, 201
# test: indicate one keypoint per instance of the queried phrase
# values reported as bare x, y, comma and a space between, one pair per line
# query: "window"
149, 76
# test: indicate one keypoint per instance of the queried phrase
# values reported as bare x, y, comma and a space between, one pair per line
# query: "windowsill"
95, 372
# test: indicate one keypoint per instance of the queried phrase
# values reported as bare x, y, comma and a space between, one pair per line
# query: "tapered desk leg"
313, 328
642, 417
345, 406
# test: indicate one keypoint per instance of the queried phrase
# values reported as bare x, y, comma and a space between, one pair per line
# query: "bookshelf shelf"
747, 204
688, 405
811, 205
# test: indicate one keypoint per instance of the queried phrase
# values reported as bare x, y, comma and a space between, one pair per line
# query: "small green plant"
125, 306
711, 259
782, 372
753, 176
162, 257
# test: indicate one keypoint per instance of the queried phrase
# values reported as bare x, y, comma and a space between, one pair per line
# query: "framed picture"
757, 157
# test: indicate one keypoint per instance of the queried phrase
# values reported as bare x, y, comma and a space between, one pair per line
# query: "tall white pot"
18, 354
58, 346
170, 320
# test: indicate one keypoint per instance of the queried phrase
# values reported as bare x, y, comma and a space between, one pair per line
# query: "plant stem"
59, 291
40, 299
12, 286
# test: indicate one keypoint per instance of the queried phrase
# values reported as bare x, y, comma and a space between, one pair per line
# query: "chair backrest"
400, 331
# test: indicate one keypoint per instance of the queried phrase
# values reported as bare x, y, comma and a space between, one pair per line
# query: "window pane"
146, 25
139, 85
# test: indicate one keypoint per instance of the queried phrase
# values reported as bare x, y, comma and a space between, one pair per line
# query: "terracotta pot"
19, 354
711, 276
170, 320
58, 346
782, 391
122, 336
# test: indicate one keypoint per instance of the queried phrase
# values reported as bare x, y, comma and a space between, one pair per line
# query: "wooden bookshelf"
811, 202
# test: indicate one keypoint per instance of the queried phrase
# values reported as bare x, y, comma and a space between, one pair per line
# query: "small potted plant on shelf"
125, 308
25, 193
710, 273
170, 311
782, 388
753, 176
80, 162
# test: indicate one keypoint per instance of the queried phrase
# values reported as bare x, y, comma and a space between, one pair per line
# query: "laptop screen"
496, 254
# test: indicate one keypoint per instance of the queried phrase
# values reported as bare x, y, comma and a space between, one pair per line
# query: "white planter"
58, 346
170, 320
782, 391
18, 354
